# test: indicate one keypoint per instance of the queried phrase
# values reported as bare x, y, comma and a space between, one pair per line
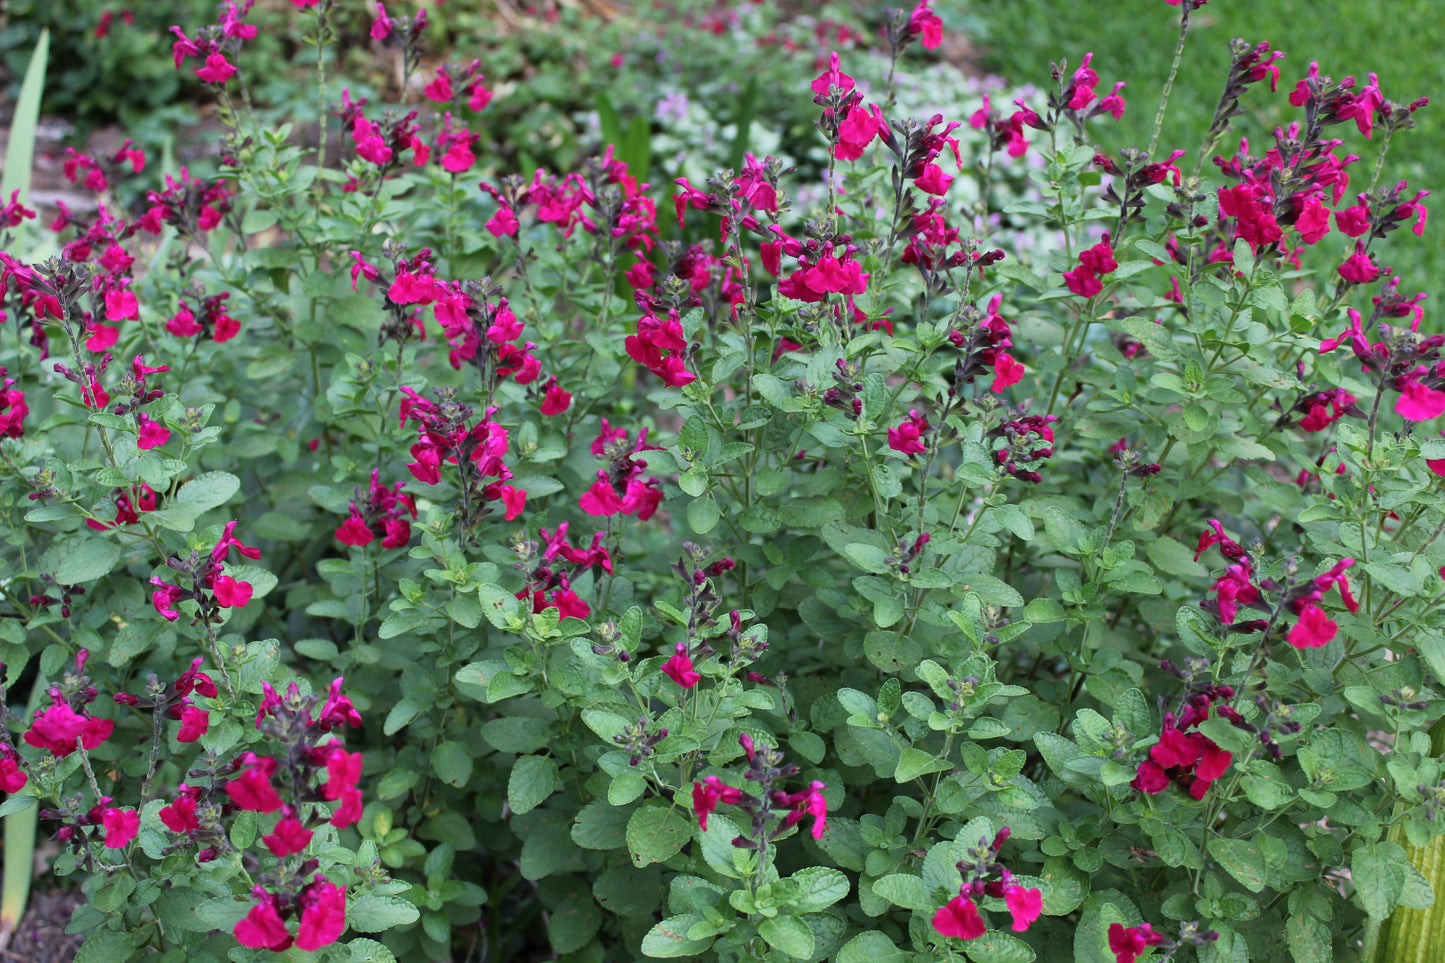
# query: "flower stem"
1173, 72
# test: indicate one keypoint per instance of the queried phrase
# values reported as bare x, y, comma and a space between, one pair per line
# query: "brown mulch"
41, 936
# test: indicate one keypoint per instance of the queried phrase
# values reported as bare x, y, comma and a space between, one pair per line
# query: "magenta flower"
323, 914
152, 434
933, 180
1083, 282
288, 837
807, 802
860, 125
12, 777
1314, 629
907, 437
924, 24
121, 826
230, 592
1228, 547
679, 668
180, 816
217, 70
252, 790
194, 723
58, 728
121, 305
707, 794
165, 597
381, 26
1418, 402
440, 89
262, 928
354, 531
338, 709
1006, 372
555, 400
1025, 905
959, 919
1358, 268
1127, 943
832, 77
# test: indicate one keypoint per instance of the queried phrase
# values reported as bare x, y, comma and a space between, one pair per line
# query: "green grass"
1133, 41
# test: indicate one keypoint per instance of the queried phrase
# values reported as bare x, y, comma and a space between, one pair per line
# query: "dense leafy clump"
903, 538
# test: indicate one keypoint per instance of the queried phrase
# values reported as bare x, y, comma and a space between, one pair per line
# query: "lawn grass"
1133, 40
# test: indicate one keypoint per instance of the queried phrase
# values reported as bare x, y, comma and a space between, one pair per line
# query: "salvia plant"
415, 559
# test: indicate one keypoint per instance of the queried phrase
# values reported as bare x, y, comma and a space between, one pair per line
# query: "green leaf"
533, 779
223, 913
818, 888
209, 490
1015, 520
867, 557
788, 935
574, 918
905, 890
515, 734
452, 761
1309, 939
1432, 649
600, 825
401, 715
717, 845
1241, 859
15, 803
669, 938
991, 590
1172, 558
629, 891
86, 559
703, 514
809, 512
871, 946
373, 913
107, 946
996, 946
243, 830
364, 950
656, 832
626, 787
1379, 878
20, 155
916, 762
1041, 610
